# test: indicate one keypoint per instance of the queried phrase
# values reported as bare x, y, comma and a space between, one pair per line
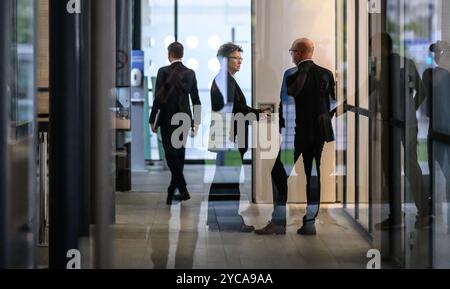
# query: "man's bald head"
302, 48
305, 46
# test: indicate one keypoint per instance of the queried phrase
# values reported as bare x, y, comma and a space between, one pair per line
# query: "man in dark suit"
174, 85
277, 224
311, 86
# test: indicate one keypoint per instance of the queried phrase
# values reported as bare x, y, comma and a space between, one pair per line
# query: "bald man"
311, 86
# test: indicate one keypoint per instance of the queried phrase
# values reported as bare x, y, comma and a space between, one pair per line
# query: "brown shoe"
272, 229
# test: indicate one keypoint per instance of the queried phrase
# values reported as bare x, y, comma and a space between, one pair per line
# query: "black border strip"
252, 86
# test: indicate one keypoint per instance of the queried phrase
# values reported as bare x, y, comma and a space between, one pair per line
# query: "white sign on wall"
374, 6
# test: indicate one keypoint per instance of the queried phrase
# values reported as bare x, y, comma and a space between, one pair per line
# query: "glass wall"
411, 28
203, 26
272, 62
353, 120
341, 95
158, 31
393, 140
17, 198
438, 96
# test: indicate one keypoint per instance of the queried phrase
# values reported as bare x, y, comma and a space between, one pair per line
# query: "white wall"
277, 25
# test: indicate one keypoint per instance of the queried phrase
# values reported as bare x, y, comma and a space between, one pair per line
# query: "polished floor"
150, 234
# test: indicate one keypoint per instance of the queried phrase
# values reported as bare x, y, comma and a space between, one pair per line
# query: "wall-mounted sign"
137, 76
374, 6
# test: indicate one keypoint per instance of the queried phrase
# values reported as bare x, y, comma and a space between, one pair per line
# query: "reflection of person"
174, 84
437, 88
398, 95
233, 52
226, 88
187, 236
311, 86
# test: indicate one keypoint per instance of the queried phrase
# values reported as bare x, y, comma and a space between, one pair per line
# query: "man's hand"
266, 114
154, 129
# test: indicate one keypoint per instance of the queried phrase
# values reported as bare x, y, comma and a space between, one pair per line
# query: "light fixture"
192, 63
192, 42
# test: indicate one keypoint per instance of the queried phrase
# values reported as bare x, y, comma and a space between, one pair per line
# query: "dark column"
137, 25
123, 42
103, 85
5, 48
69, 75
176, 19
85, 121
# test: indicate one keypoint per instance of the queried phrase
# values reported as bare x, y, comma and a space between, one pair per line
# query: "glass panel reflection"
350, 194
363, 171
441, 205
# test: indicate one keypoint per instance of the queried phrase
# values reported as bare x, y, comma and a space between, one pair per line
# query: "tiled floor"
150, 234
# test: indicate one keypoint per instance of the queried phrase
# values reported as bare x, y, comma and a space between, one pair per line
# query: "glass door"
353, 122
17, 77
401, 149
202, 27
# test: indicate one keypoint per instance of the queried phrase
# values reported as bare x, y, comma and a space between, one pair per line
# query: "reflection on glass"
23, 105
20, 194
441, 205
350, 194
203, 26
225, 134
157, 33
204, 23
437, 83
363, 171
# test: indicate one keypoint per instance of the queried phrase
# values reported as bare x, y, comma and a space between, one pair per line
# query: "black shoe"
169, 200
246, 229
307, 229
185, 196
170, 194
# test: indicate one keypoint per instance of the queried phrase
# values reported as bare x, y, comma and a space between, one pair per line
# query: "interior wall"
445, 20
43, 58
277, 25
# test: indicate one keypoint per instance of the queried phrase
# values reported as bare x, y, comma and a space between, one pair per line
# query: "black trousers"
310, 152
279, 191
175, 159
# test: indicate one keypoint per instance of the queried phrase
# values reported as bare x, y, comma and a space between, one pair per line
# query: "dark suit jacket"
237, 97
312, 86
181, 84
284, 96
